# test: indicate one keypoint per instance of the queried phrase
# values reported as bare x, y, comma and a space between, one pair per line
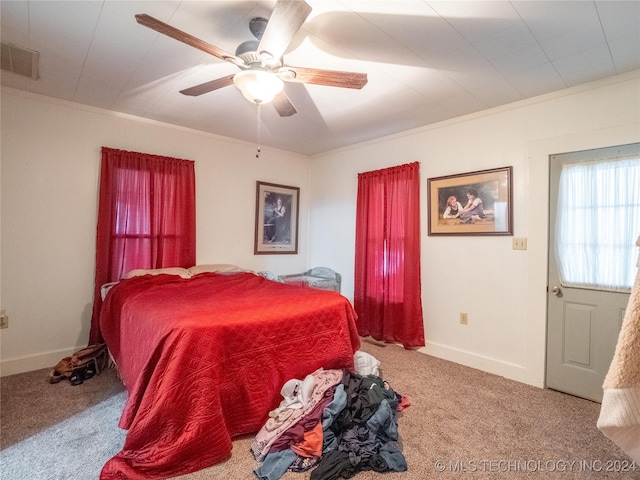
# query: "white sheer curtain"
598, 221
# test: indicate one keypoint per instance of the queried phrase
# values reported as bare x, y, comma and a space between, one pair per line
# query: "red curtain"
387, 295
146, 218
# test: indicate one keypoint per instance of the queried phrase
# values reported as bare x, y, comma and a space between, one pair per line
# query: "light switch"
519, 243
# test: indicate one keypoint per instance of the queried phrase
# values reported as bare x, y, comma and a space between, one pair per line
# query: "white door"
583, 322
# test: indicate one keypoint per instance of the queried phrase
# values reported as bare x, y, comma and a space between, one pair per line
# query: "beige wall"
50, 167
502, 290
50, 162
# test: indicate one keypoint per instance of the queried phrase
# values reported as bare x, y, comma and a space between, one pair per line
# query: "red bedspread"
204, 359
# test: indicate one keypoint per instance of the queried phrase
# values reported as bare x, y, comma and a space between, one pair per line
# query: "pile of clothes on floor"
338, 422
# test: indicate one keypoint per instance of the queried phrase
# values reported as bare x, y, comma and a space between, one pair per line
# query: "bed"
204, 356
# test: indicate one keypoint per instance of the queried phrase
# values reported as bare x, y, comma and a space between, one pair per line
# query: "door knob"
556, 291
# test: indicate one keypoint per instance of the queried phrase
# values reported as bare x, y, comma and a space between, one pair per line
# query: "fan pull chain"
259, 129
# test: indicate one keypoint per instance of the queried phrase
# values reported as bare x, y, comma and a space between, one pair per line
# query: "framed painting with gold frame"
474, 203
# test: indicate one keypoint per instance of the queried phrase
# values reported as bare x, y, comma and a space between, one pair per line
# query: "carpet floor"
462, 423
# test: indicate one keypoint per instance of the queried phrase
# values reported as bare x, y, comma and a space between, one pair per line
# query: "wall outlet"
464, 319
519, 243
4, 319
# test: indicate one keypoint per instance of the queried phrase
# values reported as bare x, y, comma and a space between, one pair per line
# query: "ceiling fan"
262, 71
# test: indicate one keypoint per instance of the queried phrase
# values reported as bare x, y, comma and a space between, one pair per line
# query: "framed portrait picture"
276, 218
474, 203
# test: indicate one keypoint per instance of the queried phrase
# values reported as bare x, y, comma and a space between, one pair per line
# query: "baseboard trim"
38, 361
495, 366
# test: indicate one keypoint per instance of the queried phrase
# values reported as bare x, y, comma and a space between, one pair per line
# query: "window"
598, 219
151, 223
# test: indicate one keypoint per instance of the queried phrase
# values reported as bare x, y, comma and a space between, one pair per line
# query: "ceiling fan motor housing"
247, 51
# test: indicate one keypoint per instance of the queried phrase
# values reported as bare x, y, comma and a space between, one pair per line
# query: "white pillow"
182, 272
216, 268
105, 289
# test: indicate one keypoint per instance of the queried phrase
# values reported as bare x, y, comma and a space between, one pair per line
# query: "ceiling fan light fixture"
258, 86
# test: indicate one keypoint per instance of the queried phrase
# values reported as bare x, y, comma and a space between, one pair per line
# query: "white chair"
325, 272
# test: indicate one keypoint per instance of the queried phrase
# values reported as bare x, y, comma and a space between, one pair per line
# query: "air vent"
19, 60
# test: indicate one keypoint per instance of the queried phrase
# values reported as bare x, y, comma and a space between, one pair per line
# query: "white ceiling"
426, 61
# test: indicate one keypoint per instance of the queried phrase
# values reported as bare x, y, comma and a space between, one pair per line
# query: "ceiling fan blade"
161, 27
286, 19
283, 105
209, 86
330, 78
